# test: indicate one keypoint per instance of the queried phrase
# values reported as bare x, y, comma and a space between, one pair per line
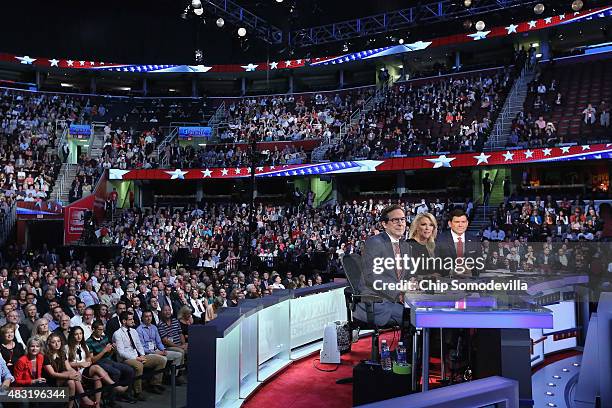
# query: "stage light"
401, 41
196, 4
279, 1
577, 5
535, 45
538, 8
241, 32
198, 11
467, 3
480, 25
220, 22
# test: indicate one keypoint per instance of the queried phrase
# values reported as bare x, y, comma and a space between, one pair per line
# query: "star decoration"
273, 65
586, 147
532, 24
299, 61
441, 161
70, 63
508, 156
250, 67
548, 20
528, 154
176, 174
480, 35
565, 149
561, 16
206, 173
54, 62
482, 158
288, 62
546, 151
512, 28
259, 169
238, 170
224, 172
82, 63
26, 60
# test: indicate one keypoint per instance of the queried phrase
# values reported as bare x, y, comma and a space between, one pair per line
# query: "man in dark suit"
389, 244
457, 243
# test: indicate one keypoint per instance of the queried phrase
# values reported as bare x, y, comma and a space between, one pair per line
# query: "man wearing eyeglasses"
386, 246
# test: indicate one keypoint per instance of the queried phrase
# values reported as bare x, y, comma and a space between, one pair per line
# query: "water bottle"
402, 359
385, 356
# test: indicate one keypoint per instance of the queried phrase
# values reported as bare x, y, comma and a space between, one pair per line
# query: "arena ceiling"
145, 31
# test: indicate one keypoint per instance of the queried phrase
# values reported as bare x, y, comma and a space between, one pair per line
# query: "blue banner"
188, 133
80, 131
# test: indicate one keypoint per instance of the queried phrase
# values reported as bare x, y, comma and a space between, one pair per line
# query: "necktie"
459, 248
397, 253
132, 342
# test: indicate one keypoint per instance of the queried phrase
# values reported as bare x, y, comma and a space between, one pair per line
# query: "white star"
565, 149
54, 62
528, 154
238, 170
479, 35
272, 167
597, 156
92, 63
176, 174
82, 63
259, 169
548, 20
299, 61
70, 63
532, 24
288, 62
512, 28
441, 161
26, 60
508, 156
224, 172
482, 158
273, 65
586, 147
206, 173
561, 16
250, 67
576, 13
546, 151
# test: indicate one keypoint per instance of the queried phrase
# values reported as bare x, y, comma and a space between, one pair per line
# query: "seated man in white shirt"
132, 353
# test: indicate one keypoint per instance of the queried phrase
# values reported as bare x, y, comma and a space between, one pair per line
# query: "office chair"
352, 296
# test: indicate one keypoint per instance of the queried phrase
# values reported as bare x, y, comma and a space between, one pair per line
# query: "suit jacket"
112, 326
445, 247
380, 247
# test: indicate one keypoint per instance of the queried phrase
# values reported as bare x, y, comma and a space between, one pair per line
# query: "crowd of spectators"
28, 125
440, 115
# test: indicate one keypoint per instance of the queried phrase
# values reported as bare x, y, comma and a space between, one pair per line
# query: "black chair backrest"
352, 270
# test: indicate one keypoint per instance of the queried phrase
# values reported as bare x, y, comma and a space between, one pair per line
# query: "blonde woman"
41, 329
422, 238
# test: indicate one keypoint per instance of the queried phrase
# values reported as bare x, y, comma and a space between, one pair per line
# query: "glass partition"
228, 366
273, 339
248, 355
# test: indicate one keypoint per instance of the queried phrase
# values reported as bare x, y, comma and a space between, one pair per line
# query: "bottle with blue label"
385, 356
402, 358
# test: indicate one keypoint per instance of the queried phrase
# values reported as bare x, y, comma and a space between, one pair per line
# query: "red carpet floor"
301, 385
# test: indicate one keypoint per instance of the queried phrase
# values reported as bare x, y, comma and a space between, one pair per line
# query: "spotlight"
538, 8
220, 22
279, 1
401, 41
577, 5
467, 3
198, 11
480, 25
241, 32
196, 4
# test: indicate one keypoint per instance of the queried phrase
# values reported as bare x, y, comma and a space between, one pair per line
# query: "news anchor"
389, 244
458, 243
